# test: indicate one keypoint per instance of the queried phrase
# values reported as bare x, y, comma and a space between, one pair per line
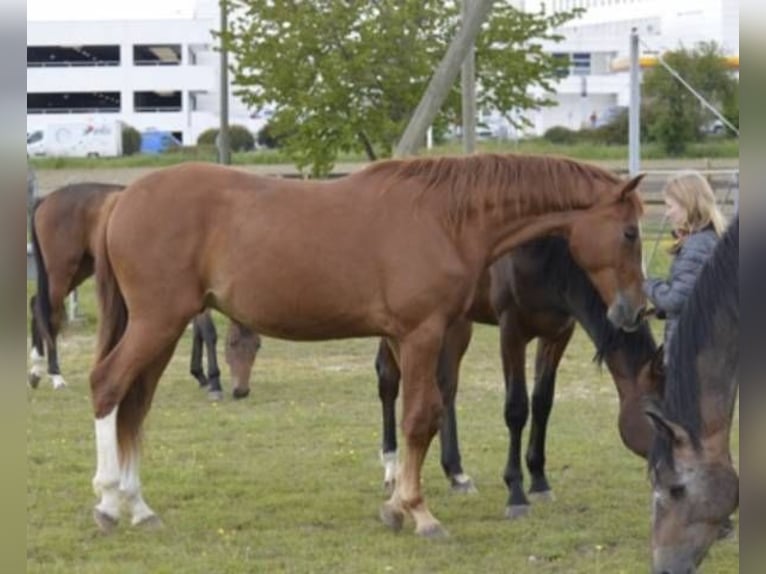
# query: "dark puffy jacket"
669, 296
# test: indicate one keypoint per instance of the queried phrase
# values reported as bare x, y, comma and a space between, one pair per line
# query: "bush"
240, 138
267, 138
560, 135
131, 140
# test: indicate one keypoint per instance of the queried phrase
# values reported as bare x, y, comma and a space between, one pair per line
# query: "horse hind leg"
122, 386
209, 337
58, 296
389, 376
37, 352
455, 344
549, 353
195, 363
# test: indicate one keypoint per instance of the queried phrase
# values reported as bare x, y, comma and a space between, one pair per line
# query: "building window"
580, 64
157, 101
72, 56
73, 103
157, 54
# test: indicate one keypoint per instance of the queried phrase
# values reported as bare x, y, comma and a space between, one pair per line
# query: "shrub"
560, 135
131, 140
240, 138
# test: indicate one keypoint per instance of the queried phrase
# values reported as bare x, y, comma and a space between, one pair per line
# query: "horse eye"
677, 491
631, 233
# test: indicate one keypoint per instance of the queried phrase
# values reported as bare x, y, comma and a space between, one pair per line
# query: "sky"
106, 9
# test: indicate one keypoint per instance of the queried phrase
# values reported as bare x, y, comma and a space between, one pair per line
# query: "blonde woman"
697, 224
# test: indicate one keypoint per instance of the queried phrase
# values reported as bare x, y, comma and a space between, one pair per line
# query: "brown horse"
394, 250
694, 482
64, 227
536, 291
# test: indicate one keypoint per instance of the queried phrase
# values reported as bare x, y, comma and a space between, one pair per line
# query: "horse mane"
475, 183
558, 265
716, 291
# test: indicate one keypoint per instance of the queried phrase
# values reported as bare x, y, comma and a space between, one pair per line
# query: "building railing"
158, 109
109, 110
83, 64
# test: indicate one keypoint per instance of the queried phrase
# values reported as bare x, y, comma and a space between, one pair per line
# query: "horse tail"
41, 302
113, 323
114, 312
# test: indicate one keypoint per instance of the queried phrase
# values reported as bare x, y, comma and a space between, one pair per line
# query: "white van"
77, 139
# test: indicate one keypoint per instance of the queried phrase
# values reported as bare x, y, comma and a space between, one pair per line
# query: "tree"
347, 74
679, 117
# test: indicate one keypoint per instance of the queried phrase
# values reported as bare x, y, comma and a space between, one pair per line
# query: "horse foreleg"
549, 353
422, 410
516, 413
388, 390
455, 345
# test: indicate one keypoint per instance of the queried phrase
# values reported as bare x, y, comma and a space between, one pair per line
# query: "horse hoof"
33, 380
106, 523
391, 516
462, 484
151, 522
542, 496
240, 393
215, 396
432, 531
514, 511
58, 382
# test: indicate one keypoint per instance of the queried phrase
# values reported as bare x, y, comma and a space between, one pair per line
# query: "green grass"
289, 481
724, 148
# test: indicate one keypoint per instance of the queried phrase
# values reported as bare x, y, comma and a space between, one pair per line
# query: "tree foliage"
678, 116
347, 74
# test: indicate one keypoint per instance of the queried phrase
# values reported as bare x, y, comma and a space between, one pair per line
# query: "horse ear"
663, 425
630, 185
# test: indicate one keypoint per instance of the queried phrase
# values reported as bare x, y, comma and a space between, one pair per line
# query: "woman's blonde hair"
694, 194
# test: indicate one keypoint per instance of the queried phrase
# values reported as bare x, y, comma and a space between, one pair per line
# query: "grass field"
288, 480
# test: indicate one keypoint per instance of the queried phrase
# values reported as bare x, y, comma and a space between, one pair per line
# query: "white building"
599, 40
164, 73
161, 73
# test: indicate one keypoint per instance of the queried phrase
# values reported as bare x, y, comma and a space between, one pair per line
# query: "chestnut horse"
536, 291
64, 227
695, 486
394, 250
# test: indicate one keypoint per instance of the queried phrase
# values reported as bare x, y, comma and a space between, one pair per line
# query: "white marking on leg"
34, 356
38, 370
130, 489
106, 482
390, 462
58, 381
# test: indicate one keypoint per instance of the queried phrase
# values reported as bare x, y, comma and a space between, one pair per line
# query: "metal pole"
468, 88
634, 111
443, 78
224, 149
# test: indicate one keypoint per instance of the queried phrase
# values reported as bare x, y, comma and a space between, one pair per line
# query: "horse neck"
624, 353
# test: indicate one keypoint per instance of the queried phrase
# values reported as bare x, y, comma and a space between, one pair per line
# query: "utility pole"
468, 88
224, 148
634, 109
443, 78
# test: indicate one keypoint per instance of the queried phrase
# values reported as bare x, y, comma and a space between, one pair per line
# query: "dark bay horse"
64, 227
394, 250
536, 291
694, 482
